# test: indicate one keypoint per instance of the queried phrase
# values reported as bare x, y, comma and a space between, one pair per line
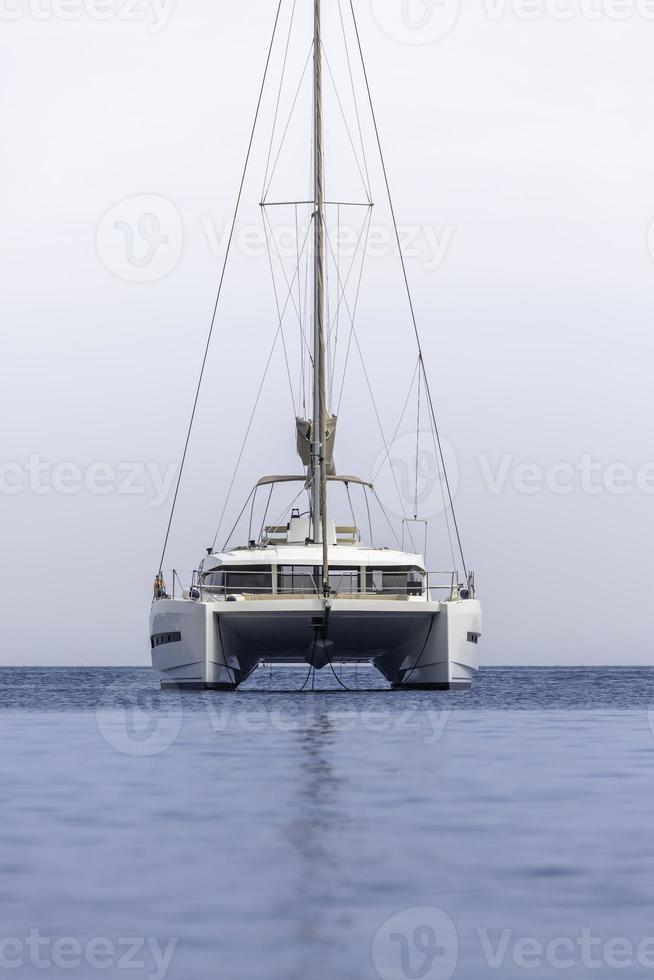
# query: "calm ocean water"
282, 836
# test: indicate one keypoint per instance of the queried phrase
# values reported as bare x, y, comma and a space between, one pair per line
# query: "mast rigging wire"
342, 286
288, 123
254, 410
279, 98
354, 94
415, 501
279, 314
220, 288
289, 285
408, 287
347, 128
374, 405
401, 419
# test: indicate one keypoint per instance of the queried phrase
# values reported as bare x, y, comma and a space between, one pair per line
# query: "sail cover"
304, 430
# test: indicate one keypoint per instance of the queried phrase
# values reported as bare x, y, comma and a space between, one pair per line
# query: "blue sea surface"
276, 835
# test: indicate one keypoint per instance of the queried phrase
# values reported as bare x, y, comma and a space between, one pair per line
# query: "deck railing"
434, 586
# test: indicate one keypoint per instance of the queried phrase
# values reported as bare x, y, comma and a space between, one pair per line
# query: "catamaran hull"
217, 645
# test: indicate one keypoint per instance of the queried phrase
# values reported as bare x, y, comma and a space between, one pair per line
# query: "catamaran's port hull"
217, 645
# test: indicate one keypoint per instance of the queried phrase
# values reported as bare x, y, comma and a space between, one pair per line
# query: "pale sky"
520, 150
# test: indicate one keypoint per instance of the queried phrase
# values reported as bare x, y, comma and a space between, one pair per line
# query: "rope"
265, 513
220, 288
405, 679
415, 501
288, 123
356, 304
352, 690
397, 428
342, 286
349, 134
343, 283
365, 497
376, 410
245, 438
406, 281
388, 520
279, 314
338, 305
279, 98
252, 494
354, 92
302, 395
281, 263
254, 410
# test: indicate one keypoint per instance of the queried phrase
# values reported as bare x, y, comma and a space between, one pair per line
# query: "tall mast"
318, 448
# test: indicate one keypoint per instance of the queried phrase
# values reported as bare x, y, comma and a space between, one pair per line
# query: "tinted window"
394, 581
235, 580
297, 578
344, 580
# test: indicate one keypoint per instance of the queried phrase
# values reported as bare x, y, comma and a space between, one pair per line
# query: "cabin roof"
349, 556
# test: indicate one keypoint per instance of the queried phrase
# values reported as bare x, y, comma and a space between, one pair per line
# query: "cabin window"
159, 639
394, 581
344, 581
294, 579
306, 580
233, 581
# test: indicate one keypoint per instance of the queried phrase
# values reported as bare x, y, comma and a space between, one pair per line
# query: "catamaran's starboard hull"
217, 645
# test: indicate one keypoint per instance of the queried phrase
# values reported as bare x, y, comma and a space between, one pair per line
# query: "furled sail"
304, 430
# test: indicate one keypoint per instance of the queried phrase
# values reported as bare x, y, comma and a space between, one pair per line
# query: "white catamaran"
308, 589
